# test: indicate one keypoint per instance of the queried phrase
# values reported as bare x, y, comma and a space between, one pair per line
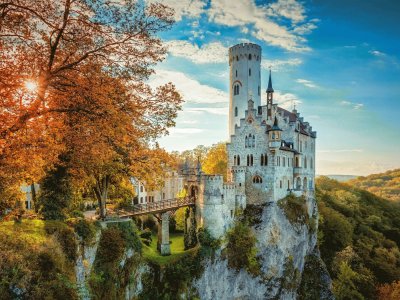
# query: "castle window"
236, 111
249, 56
251, 159
301, 146
262, 159
280, 184
236, 73
246, 142
254, 141
265, 160
238, 160
297, 162
249, 72
257, 179
248, 160
141, 188
234, 160
141, 199
305, 183
284, 162
237, 58
305, 162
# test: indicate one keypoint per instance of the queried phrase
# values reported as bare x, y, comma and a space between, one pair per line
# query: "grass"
177, 250
31, 230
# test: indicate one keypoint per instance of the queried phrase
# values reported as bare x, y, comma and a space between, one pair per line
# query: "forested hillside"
359, 238
385, 185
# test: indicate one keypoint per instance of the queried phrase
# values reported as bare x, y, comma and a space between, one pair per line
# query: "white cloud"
175, 130
184, 8
377, 53
290, 9
222, 111
307, 83
277, 64
306, 28
209, 53
191, 90
356, 106
286, 100
246, 12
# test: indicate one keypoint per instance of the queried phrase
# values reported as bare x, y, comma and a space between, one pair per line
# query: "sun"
31, 86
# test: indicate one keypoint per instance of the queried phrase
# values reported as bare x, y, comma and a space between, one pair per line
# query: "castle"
271, 152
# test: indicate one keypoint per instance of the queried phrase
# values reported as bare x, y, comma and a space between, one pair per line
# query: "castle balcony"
297, 171
274, 144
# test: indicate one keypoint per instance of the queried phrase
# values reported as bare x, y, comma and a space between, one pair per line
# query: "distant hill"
340, 178
385, 185
359, 238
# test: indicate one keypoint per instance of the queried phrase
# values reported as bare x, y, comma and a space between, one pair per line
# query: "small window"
238, 160
236, 111
249, 72
237, 58
141, 188
280, 184
257, 179
249, 56
141, 199
236, 73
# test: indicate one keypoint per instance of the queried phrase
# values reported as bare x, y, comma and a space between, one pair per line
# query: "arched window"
265, 160
305, 162
246, 142
251, 159
238, 160
248, 160
257, 179
249, 72
262, 159
298, 183
249, 56
236, 111
237, 90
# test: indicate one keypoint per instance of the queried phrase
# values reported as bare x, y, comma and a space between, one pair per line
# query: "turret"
270, 96
274, 135
245, 80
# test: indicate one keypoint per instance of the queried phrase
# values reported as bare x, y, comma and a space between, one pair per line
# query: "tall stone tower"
245, 80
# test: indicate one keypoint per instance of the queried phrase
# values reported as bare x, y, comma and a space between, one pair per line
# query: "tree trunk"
101, 192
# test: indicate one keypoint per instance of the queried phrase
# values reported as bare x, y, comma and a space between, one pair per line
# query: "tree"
216, 160
389, 291
86, 62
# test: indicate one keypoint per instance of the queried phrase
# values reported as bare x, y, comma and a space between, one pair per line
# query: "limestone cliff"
283, 246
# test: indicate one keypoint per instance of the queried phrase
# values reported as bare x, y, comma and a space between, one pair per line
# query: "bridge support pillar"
190, 236
163, 235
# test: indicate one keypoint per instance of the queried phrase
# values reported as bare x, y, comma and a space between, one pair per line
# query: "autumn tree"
72, 80
216, 160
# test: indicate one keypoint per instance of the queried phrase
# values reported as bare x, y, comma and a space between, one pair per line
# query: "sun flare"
31, 86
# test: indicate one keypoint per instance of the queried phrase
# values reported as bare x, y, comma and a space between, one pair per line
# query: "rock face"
283, 248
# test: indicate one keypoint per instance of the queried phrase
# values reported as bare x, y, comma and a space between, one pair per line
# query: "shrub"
65, 236
86, 230
295, 209
241, 250
146, 234
206, 240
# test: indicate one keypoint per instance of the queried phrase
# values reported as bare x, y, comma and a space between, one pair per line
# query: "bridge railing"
162, 205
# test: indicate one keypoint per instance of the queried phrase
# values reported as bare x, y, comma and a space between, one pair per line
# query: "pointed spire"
275, 127
270, 89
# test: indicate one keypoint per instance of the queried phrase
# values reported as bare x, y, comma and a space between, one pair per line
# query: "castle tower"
245, 80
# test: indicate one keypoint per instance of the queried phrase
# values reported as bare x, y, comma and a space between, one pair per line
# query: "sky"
337, 61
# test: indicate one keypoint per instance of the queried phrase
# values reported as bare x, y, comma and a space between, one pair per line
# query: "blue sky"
337, 61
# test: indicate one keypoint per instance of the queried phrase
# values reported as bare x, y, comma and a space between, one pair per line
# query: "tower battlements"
241, 51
